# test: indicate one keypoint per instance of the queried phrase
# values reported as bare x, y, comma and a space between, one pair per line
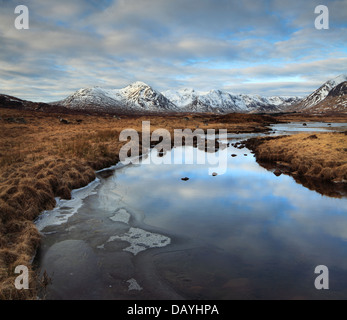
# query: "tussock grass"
321, 156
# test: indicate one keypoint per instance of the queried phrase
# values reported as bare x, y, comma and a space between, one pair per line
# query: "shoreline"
300, 156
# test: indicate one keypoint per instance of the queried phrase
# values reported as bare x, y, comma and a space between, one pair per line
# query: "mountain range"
139, 97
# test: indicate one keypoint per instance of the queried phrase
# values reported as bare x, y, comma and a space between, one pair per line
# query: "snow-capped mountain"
190, 100
319, 95
143, 96
335, 101
221, 101
138, 96
256, 103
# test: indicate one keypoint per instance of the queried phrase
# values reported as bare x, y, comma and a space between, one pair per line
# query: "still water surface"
143, 233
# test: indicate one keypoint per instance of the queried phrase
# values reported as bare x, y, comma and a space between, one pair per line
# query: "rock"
79, 120
234, 155
304, 124
214, 174
311, 137
20, 120
10, 120
245, 154
277, 172
16, 120
185, 179
64, 121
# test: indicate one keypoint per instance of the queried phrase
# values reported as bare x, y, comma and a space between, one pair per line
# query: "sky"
266, 47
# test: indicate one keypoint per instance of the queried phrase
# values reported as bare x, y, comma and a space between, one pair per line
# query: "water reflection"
296, 127
245, 234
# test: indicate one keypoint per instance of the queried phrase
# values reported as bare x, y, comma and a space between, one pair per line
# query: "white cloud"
169, 44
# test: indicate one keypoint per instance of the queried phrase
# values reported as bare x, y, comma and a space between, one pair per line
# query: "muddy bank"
317, 161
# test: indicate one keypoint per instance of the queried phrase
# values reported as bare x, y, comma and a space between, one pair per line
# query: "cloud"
240, 46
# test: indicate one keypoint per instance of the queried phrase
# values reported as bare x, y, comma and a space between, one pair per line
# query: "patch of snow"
141, 240
121, 215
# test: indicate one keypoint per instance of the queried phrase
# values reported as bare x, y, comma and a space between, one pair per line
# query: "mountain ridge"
139, 97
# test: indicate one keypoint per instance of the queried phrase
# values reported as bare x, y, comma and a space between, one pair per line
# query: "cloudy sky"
267, 47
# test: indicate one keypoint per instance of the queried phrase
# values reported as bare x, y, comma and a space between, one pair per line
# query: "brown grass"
309, 117
320, 156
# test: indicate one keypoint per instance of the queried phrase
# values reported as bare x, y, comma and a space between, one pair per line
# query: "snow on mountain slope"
339, 91
181, 98
336, 101
92, 99
143, 96
256, 103
320, 94
138, 96
213, 101
217, 100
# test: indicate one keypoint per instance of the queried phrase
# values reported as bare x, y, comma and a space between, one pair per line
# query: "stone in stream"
185, 179
277, 172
